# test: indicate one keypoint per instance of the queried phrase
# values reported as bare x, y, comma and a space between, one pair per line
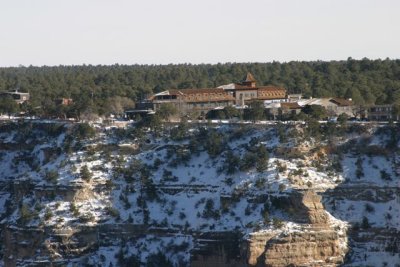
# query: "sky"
75, 32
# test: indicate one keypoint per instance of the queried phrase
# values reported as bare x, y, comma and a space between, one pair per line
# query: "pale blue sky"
53, 32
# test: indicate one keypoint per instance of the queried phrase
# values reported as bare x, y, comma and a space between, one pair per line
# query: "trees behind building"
92, 87
8, 105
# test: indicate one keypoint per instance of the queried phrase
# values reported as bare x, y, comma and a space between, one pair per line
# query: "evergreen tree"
8, 105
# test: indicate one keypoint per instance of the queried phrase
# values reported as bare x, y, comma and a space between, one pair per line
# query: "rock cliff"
317, 239
224, 195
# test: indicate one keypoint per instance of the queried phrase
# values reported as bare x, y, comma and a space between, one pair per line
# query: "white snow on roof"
227, 86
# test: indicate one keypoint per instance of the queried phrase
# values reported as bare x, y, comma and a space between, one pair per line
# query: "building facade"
381, 113
247, 90
19, 97
203, 100
277, 102
63, 101
192, 100
333, 105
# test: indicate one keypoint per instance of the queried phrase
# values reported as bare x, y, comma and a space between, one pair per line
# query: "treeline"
91, 87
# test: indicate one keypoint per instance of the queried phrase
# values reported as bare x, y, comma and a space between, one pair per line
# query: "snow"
182, 198
143, 248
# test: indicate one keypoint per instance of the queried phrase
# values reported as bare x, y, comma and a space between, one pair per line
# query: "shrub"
337, 165
261, 165
180, 132
156, 164
281, 167
231, 163
87, 217
194, 145
183, 155
248, 161
25, 213
167, 110
365, 223
132, 261
85, 173
280, 202
51, 176
315, 111
260, 183
247, 210
313, 128
281, 129
182, 215
262, 158
298, 172
167, 176
342, 118
209, 211
359, 168
356, 226
214, 144
84, 130
73, 209
277, 223
149, 187
385, 176
112, 211
265, 215
282, 187
48, 214
255, 112
369, 208
125, 199
109, 185
157, 260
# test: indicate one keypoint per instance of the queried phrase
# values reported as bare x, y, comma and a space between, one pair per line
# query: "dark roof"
341, 102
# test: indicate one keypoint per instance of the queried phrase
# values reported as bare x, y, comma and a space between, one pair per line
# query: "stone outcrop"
306, 248
318, 241
35, 243
257, 245
308, 208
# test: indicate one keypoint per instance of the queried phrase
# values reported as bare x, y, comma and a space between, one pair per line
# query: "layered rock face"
180, 203
313, 248
318, 241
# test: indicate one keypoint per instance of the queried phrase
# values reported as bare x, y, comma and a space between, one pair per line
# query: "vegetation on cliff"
132, 196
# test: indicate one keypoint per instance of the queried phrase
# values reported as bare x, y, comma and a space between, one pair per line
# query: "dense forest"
92, 87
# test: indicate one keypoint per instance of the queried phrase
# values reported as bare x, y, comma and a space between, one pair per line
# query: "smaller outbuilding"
19, 97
